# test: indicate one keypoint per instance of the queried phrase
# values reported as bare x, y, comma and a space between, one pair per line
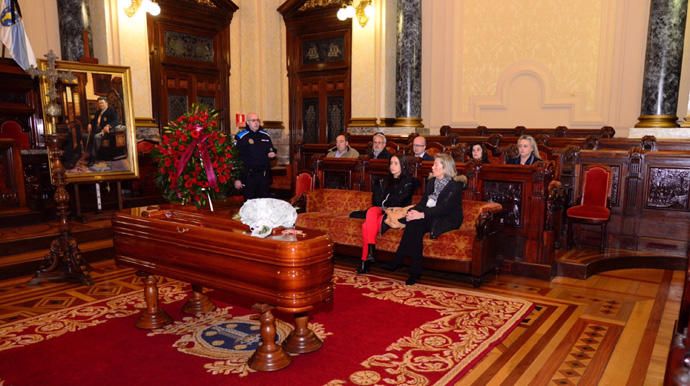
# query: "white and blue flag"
13, 36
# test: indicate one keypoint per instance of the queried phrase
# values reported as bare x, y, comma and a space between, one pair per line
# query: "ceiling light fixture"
363, 11
149, 6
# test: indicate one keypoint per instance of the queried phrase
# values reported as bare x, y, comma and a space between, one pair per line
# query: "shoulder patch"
241, 134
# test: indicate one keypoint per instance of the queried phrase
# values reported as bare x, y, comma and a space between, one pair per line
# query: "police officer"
256, 150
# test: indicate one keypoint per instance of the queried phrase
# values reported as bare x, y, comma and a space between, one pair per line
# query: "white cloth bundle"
264, 214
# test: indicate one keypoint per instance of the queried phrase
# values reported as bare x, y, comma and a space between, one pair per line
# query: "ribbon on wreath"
200, 143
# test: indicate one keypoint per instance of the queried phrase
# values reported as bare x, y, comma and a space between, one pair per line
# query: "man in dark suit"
103, 122
378, 148
419, 148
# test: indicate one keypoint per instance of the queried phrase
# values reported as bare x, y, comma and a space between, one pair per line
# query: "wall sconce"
363, 11
149, 6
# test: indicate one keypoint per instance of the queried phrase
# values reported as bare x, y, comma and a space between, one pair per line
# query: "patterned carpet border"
439, 351
57, 323
471, 324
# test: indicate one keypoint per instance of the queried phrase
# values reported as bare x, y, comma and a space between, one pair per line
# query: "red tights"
370, 228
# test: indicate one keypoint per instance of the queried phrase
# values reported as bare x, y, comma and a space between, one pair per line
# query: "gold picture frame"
89, 157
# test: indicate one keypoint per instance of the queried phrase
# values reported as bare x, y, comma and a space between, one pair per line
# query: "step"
23, 239
10, 218
28, 262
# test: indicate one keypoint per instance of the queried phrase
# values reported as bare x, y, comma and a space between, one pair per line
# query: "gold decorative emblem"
251, 141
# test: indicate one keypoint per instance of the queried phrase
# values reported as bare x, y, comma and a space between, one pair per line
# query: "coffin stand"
291, 273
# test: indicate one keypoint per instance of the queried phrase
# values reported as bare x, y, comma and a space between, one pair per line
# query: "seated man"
378, 149
104, 120
419, 148
342, 148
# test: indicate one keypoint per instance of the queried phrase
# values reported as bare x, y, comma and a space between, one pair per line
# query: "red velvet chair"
12, 129
593, 208
304, 183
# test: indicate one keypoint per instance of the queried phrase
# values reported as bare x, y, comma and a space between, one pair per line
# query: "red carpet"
378, 331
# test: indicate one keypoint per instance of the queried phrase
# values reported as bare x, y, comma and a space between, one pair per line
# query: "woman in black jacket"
439, 211
395, 190
528, 152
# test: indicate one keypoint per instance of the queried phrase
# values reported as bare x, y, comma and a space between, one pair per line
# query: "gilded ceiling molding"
313, 4
207, 3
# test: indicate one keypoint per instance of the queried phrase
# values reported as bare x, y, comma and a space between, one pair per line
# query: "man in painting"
104, 121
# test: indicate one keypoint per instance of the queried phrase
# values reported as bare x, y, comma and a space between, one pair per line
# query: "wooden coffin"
291, 272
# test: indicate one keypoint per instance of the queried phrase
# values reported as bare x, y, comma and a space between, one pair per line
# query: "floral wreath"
196, 160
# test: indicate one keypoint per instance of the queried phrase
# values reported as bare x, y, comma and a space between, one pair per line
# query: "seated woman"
479, 153
393, 191
528, 153
439, 211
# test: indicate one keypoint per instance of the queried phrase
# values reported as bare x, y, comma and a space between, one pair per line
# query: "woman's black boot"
363, 267
412, 279
370, 255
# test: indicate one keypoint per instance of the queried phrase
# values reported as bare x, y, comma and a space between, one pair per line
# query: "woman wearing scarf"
439, 211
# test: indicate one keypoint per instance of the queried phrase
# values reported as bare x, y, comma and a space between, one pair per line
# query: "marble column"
663, 62
73, 16
408, 69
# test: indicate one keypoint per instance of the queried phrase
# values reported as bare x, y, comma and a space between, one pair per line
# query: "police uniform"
253, 147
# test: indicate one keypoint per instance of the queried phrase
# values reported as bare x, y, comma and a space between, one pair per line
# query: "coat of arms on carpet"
231, 340
469, 325
376, 331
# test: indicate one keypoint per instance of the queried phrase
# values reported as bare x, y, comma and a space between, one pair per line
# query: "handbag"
395, 214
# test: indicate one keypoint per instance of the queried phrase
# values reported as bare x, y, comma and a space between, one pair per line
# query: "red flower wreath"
195, 157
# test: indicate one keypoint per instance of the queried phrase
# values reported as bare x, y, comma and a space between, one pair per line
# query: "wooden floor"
613, 328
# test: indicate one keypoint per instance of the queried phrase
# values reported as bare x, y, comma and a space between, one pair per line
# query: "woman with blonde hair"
528, 152
439, 211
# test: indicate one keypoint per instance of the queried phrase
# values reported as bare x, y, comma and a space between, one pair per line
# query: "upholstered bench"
469, 250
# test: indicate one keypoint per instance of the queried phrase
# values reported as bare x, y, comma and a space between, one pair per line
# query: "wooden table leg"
269, 356
198, 303
302, 340
152, 316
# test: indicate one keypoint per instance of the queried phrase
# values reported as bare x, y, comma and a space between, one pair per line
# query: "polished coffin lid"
291, 272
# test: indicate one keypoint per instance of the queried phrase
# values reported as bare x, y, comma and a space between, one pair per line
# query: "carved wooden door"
322, 108
182, 89
319, 58
189, 43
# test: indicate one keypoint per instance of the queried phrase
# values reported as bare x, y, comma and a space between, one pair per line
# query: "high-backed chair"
393, 147
593, 208
304, 183
12, 129
435, 148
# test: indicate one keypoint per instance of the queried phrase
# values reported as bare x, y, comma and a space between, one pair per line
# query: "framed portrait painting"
96, 121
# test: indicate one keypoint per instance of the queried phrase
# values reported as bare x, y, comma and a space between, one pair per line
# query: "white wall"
533, 63
41, 25
507, 63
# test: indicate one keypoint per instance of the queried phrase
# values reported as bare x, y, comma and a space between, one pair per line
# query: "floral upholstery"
346, 231
471, 211
328, 209
335, 202
314, 220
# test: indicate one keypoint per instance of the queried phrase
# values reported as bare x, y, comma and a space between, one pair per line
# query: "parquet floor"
611, 329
